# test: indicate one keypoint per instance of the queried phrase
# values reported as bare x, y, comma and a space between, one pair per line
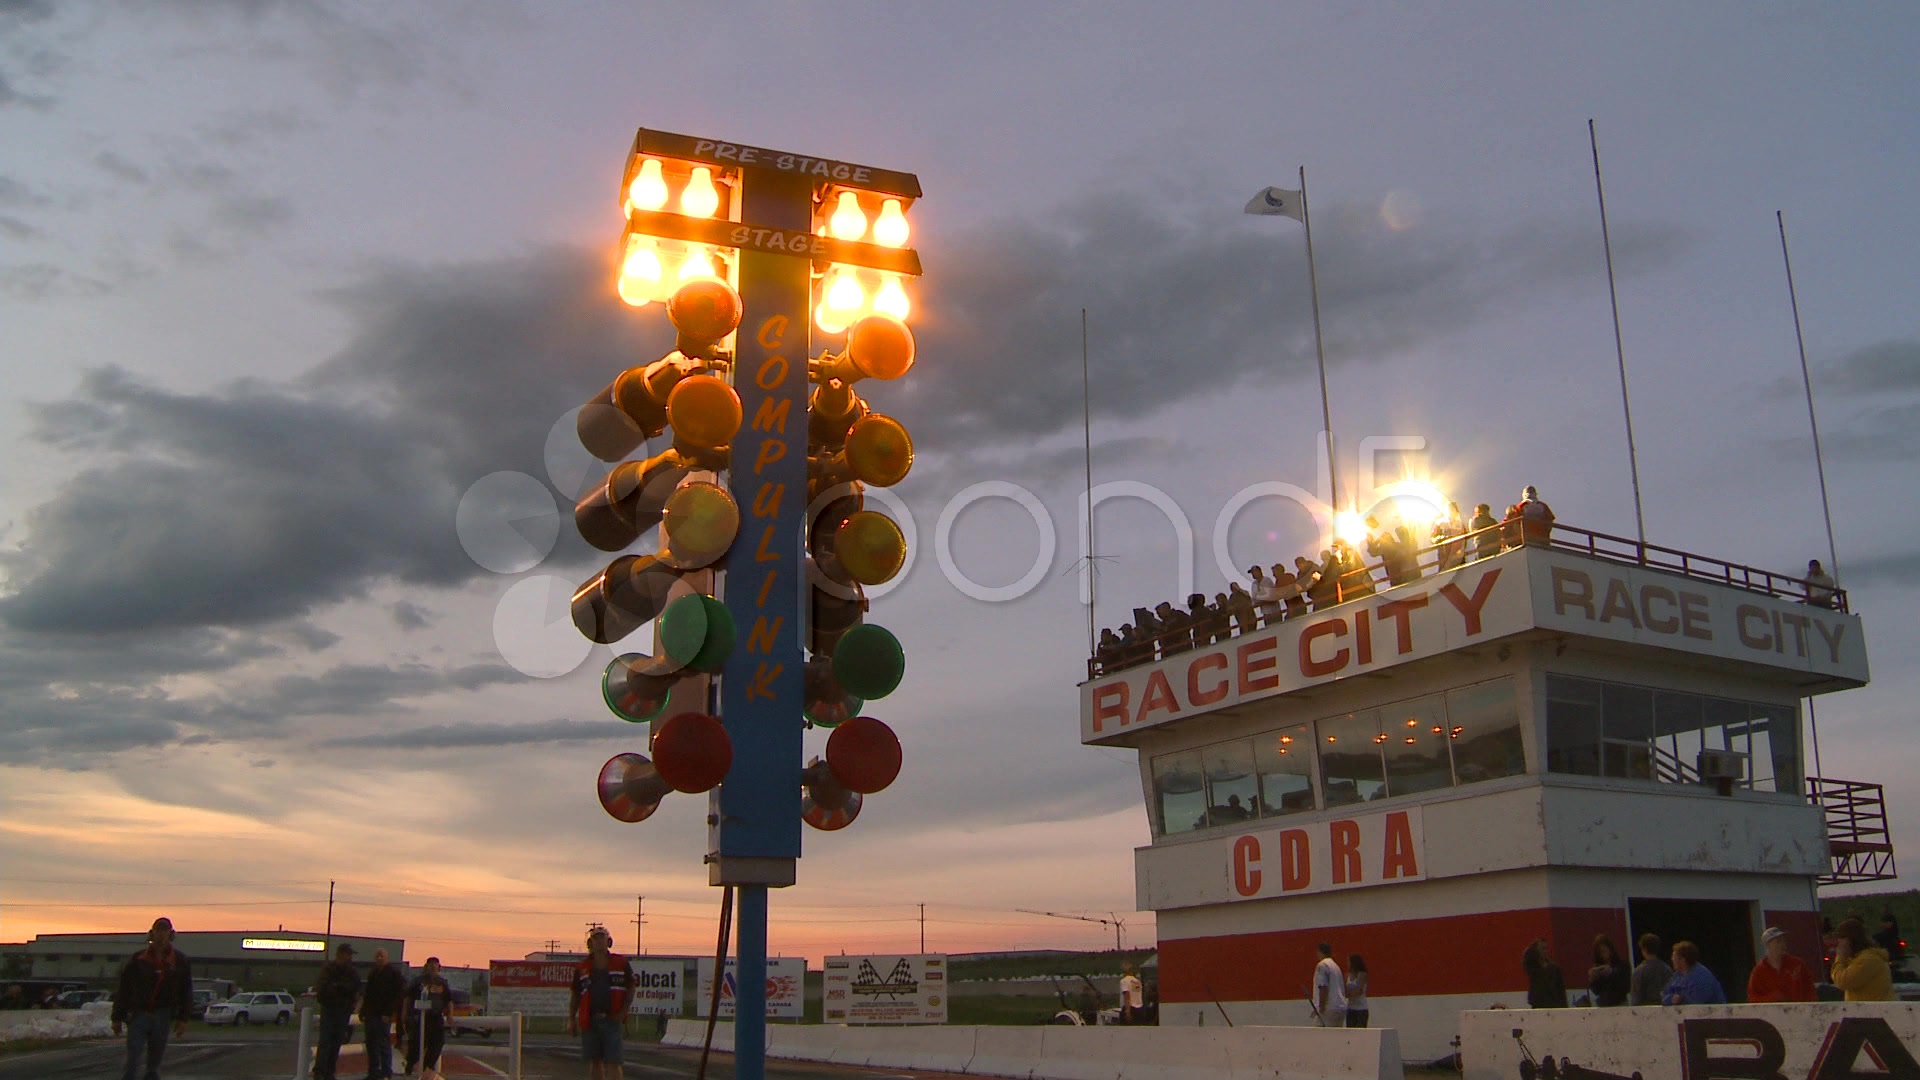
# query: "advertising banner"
887, 989
529, 987
542, 987
786, 975
661, 987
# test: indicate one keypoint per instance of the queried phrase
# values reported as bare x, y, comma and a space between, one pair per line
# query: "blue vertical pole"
750, 986
756, 832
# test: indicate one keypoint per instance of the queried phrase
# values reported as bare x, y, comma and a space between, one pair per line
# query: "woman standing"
1608, 980
1546, 989
1860, 967
1356, 991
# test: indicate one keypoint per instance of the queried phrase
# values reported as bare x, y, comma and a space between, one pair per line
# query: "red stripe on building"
1458, 954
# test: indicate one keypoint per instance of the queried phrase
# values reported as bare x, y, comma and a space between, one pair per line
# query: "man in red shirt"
602, 987
1780, 975
156, 987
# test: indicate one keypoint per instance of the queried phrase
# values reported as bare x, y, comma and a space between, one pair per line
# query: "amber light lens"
881, 347
699, 524
704, 309
879, 450
870, 546
704, 411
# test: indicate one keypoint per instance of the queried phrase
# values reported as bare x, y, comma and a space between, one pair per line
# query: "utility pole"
329, 913
923, 929
639, 908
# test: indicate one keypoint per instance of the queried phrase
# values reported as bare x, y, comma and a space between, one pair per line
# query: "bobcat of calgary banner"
889, 989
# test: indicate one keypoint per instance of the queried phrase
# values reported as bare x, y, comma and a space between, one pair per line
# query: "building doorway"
1722, 929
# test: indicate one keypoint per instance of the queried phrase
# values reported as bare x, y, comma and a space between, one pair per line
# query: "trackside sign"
889, 989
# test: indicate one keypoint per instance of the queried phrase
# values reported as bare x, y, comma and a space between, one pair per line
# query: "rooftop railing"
1858, 840
1332, 586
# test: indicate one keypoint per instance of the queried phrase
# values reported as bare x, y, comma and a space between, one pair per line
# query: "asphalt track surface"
207, 1056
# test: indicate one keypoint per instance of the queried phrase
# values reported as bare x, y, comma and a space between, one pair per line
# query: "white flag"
1278, 202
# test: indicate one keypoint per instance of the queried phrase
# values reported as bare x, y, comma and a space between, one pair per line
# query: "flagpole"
1819, 462
1319, 347
1806, 379
1086, 416
1619, 349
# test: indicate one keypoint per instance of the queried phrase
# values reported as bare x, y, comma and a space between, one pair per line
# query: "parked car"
254, 1007
75, 999
201, 1000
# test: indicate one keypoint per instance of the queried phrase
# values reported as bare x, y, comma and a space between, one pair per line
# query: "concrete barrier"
1083, 1053
1007, 1051
1314, 1053
1823, 1038
802, 1042
935, 1048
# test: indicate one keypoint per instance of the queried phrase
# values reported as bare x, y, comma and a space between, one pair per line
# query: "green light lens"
633, 699
697, 632
869, 662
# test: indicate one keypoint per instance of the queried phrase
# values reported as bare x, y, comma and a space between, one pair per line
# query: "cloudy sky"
283, 286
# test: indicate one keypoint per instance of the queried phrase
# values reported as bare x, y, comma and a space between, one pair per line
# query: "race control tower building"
1571, 736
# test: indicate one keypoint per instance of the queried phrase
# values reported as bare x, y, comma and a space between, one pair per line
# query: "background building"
275, 959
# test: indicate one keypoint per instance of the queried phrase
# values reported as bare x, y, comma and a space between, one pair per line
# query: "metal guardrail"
1858, 840
1212, 624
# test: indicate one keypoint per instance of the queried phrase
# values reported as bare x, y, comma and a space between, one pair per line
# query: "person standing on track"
336, 992
603, 986
429, 1001
1329, 993
156, 988
379, 1011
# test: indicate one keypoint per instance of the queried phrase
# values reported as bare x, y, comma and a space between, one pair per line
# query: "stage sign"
888, 989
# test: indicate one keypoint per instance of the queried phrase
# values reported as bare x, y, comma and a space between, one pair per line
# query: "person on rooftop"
1240, 604
1447, 531
1266, 594
1402, 557
1290, 588
1325, 576
1820, 585
1174, 635
1536, 518
1486, 534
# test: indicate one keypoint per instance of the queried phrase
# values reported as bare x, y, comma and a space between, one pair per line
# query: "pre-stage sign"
889, 989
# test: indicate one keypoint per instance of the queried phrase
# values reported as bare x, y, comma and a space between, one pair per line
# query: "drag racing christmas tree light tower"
755, 584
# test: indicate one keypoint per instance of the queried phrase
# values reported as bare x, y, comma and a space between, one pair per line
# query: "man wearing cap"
1780, 975
156, 987
336, 991
602, 987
